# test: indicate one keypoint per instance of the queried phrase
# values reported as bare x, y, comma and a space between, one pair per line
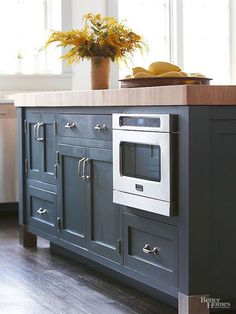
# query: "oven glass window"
141, 161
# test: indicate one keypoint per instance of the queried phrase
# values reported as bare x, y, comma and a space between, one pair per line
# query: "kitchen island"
66, 195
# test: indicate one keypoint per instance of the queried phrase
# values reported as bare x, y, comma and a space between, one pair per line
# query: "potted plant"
100, 40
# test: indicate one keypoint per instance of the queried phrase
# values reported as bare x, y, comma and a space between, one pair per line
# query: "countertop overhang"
147, 96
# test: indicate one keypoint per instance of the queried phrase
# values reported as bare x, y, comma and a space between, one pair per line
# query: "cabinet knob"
42, 211
70, 125
100, 127
148, 250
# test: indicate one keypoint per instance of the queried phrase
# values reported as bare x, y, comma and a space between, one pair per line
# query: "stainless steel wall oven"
145, 162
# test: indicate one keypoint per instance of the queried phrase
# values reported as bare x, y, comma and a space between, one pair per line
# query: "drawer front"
85, 126
41, 209
151, 248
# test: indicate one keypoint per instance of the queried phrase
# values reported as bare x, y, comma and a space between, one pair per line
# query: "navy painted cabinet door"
103, 220
72, 195
41, 147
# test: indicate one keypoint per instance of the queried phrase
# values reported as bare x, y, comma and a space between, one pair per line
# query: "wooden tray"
163, 81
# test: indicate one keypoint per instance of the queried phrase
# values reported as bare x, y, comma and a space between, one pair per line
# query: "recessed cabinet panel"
103, 220
41, 209
41, 147
151, 248
49, 148
33, 151
104, 214
72, 209
73, 197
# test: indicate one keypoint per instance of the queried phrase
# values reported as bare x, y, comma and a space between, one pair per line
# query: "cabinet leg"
27, 239
193, 304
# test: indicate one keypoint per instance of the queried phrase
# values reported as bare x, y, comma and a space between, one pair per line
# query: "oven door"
141, 163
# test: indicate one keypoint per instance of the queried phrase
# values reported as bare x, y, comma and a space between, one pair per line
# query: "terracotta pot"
100, 72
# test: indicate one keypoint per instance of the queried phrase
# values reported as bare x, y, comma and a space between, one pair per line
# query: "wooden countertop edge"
184, 95
211, 95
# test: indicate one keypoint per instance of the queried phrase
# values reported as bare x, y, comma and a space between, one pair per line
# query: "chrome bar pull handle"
40, 139
83, 172
86, 176
148, 250
100, 127
35, 127
70, 125
42, 211
55, 170
79, 167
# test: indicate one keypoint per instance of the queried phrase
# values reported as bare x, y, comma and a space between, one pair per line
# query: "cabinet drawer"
41, 209
141, 234
85, 126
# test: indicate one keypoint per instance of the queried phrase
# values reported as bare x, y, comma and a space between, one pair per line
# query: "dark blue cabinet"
41, 210
40, 171
103, 219
66, 196
72, 209
40, 161
151, 248
88, 218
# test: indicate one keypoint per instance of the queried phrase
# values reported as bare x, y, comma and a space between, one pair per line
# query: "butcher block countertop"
150, 96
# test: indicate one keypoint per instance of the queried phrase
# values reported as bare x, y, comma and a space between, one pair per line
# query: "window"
199, 35
24, 28
151, 20
206, 33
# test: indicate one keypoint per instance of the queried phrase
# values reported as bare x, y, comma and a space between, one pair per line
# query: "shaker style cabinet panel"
151, 248
34, 155
41, 210
103, 228
40, 162
88, 217
49, 147
72, 195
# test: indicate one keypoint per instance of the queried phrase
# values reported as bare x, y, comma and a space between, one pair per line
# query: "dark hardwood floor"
38, 281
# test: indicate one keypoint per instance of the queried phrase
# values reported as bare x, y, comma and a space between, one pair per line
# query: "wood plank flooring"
37, 281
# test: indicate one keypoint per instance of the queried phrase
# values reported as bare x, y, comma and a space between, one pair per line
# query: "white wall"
81, 72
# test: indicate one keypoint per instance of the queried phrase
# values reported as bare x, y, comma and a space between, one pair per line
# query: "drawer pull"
42, 211
35, 129
100, 127
70, 125
148, 250
40, 139
86, 176
79, 168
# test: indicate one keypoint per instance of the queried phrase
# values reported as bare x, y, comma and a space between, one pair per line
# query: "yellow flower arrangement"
100, 37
